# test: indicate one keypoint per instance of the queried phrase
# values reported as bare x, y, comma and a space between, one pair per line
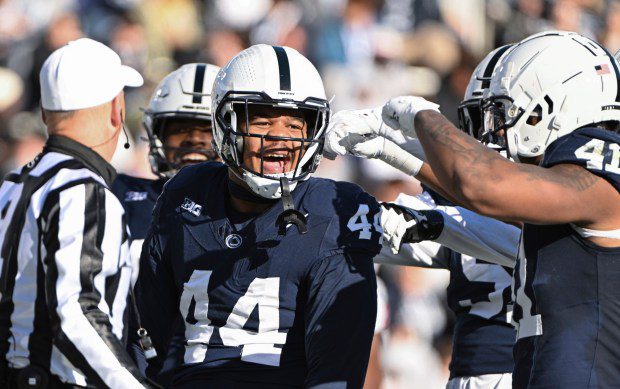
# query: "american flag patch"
602, 69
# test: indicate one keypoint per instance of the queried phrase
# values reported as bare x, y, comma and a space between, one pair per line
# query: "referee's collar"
84, 154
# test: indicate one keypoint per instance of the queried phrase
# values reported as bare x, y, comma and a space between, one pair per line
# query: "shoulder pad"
193, 174
595, 149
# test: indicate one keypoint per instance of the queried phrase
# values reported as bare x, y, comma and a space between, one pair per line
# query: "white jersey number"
486, 272
359, 222
593, 153
257, 347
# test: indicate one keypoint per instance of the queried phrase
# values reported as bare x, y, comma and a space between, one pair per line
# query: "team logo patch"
191, 207
135, 196
233, 241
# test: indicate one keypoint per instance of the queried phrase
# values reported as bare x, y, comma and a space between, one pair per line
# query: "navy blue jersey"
483, 338
260, 309
568, 289
479, 295
138, 196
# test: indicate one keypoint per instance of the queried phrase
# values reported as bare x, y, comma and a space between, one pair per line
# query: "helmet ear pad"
236, 140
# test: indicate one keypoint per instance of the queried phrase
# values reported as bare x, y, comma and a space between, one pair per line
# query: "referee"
64, 250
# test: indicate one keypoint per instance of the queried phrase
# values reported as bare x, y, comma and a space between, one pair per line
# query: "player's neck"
245, 202
245, 206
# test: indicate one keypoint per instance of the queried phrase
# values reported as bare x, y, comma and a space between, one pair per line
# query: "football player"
479, 291
178, 125
270, 268
554, 101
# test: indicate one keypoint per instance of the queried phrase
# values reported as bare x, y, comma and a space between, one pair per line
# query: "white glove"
394, 228
387, 151
348, 128
406, 225
399, 113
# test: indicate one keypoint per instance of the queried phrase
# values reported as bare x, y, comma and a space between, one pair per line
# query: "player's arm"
481, 237
422, 238
426, 254
156, 294
483, 181
340, 319
87, 245
427, 176
363, 133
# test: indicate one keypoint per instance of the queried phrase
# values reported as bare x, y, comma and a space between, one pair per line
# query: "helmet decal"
199, 79
488, 72
285, 69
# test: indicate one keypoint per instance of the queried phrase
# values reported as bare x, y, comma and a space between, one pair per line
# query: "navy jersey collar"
84, 154
263, 224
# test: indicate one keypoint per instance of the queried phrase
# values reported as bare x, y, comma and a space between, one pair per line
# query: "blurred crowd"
366, 50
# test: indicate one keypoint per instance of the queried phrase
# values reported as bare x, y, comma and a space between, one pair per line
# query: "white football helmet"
183, 94
274, 76
547, 86
469, 112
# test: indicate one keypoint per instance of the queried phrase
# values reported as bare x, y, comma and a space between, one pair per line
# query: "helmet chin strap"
290, 215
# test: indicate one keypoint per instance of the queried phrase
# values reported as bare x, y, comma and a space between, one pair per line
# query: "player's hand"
349, 128
406, 225
399, 113
395, 224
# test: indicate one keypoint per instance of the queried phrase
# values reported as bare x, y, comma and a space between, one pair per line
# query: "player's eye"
260, 122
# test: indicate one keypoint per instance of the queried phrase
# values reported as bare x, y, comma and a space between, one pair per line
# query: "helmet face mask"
470, 111
165, 159
470, 117
257, 80
306, 149
496, 123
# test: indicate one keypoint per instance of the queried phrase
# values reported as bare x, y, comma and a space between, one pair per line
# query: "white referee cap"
82, 74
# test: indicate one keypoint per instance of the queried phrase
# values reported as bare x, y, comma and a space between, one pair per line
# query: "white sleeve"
87, 280
426, 254
479, 236
464, 231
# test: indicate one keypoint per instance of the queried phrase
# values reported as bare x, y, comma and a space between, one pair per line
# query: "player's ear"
116, 113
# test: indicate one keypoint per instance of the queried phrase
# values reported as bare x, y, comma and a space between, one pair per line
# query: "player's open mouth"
276, 161
191, 158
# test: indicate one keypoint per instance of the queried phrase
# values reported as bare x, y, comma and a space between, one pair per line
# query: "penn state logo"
233, 241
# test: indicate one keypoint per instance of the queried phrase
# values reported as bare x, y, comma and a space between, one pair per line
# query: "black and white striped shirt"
65, 269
